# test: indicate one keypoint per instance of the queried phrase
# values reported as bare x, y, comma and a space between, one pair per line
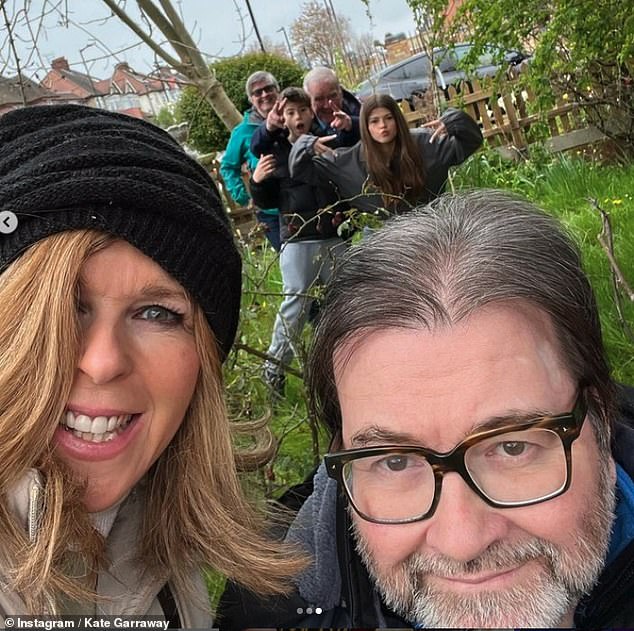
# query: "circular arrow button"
8, 222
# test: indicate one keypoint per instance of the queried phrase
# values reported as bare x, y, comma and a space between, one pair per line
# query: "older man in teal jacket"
262, 91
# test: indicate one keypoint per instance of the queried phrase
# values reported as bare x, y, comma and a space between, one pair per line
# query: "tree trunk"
190, 61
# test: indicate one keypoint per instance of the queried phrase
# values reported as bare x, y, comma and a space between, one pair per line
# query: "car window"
368, 84
418, 68
449, 60
486, 59
446, 60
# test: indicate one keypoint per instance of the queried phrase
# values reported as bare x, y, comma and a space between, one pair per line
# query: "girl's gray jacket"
346, 171
129, 588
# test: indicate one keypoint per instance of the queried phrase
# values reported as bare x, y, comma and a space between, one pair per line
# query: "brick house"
15, 93
140, 95
75, 86
126, 91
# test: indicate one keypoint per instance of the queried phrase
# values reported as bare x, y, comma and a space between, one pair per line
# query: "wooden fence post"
504, 114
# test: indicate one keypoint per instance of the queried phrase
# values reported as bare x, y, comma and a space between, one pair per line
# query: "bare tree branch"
35, 36
179, 25
607, 242
190, 62
141, 34
262, 355
154, 14
15, 53
619, 282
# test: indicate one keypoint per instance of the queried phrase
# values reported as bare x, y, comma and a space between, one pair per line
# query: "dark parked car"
412, 76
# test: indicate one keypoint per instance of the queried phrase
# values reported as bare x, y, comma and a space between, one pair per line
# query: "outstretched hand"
275, 118
320, 147
438, 129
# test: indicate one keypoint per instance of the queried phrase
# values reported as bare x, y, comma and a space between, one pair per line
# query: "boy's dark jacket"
306, 211
339, 585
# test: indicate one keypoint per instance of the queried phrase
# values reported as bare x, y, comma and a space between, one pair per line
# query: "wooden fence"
503, 113
242, 217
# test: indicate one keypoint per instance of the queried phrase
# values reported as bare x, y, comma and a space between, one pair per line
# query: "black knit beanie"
64, 167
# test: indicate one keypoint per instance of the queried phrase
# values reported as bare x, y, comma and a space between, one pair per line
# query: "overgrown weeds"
568, 186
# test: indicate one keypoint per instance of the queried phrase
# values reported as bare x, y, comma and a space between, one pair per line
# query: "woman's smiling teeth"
96, 429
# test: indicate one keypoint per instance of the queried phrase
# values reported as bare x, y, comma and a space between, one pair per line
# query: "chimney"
61, 63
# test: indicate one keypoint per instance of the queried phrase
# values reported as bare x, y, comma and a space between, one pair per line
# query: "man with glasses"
480, 473
262, 91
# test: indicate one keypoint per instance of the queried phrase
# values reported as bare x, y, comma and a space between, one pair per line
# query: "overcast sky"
215, 25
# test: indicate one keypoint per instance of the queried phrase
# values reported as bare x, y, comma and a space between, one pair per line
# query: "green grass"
569, 187
299, 448
562, 185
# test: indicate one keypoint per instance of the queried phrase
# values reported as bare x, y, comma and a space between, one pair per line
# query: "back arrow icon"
8, 222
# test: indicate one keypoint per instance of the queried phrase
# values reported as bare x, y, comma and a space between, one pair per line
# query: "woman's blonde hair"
196, 515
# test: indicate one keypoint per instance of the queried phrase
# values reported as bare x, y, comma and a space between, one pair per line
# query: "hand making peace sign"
438, 128
275, 118
341, 120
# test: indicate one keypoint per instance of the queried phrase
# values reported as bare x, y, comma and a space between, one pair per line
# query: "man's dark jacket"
345, 592
352, 107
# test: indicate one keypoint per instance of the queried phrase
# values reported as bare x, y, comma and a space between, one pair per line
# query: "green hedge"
206, 132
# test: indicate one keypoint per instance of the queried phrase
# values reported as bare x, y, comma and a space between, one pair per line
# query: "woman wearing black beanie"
119, 300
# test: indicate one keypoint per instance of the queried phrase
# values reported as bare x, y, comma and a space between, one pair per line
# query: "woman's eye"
82, 309
156, 313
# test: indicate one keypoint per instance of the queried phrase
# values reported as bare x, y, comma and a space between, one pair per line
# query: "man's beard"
564, 576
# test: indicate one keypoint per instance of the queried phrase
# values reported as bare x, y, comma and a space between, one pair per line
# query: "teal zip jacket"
236, 154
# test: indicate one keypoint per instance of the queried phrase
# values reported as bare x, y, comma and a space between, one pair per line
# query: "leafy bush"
165, 118
583, 51
206, 131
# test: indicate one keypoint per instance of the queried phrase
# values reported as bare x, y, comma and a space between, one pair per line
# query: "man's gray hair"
320, 74
257, 77
438, 264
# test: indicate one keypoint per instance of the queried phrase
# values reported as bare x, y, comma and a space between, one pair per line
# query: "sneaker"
275, 381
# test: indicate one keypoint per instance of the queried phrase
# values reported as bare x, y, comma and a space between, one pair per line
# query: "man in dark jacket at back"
482, 464
336, 110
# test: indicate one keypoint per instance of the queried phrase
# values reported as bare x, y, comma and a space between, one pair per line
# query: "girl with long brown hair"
119, 300
392, 168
